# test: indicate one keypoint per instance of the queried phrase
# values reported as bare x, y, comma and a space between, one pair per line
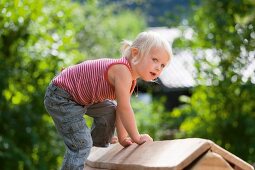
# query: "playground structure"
179, 154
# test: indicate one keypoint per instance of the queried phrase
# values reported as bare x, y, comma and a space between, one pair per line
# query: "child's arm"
123, 137
124, 140
125, 122
125, 116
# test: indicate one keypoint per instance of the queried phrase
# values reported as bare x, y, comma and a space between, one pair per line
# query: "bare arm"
123, 138
121, 78
125, 121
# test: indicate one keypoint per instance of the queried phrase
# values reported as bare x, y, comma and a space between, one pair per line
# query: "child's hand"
114, 140
126, 142
144, 138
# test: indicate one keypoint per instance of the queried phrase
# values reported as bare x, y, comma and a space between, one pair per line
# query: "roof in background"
179, 73
181, 70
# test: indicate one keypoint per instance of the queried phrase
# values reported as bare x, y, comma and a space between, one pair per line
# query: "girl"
92, 86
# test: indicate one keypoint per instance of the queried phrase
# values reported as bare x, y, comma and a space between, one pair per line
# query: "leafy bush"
37, 38
221, 107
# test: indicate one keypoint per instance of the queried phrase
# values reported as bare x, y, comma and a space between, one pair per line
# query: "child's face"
151, 66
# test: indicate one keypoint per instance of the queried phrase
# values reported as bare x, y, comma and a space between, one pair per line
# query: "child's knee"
111, 107
103, 131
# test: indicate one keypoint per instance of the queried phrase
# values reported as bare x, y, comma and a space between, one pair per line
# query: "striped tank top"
88, 82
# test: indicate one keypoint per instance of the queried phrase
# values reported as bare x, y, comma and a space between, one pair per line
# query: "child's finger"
114, 140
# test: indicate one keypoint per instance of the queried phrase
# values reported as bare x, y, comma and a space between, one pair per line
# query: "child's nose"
158, 68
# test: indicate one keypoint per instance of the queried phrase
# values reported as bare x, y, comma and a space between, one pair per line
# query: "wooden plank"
90, 168
211, 161
231, 158
171, 154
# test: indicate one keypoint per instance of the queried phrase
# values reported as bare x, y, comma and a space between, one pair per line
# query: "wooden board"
86, 167
211, 161
159, 154
238, 163
169, 154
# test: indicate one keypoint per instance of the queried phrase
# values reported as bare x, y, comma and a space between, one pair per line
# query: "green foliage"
224, 115
222, 106
37, 38
148, 116
101, 36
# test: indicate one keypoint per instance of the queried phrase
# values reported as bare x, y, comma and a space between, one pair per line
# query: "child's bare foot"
114, 139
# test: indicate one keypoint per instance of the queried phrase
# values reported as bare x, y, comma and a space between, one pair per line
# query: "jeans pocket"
54, 103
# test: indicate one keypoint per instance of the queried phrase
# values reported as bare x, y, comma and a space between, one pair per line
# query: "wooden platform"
186, 154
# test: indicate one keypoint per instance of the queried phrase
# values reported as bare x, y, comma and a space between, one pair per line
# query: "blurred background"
207, 91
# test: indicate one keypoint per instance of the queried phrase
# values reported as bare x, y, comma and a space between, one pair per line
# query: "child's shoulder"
106, 62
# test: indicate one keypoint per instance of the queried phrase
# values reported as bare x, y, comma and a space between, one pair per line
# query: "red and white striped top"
88, 82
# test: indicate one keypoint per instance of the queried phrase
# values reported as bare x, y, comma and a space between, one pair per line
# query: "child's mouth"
153, 74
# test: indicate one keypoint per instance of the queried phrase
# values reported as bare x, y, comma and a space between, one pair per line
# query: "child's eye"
163, 65
154, 59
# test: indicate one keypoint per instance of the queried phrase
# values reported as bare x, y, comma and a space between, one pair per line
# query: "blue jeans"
70, 124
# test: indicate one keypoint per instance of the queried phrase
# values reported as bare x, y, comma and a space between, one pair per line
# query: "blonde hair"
144, 42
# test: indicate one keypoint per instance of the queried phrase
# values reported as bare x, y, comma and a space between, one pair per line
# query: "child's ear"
134, 52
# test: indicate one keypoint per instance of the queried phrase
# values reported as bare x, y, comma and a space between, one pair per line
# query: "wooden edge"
204, 147
87, 167
97, 158
98, 154
231, 158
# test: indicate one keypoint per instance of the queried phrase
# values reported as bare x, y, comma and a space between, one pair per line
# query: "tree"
221, 107
37, 38
106, 28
